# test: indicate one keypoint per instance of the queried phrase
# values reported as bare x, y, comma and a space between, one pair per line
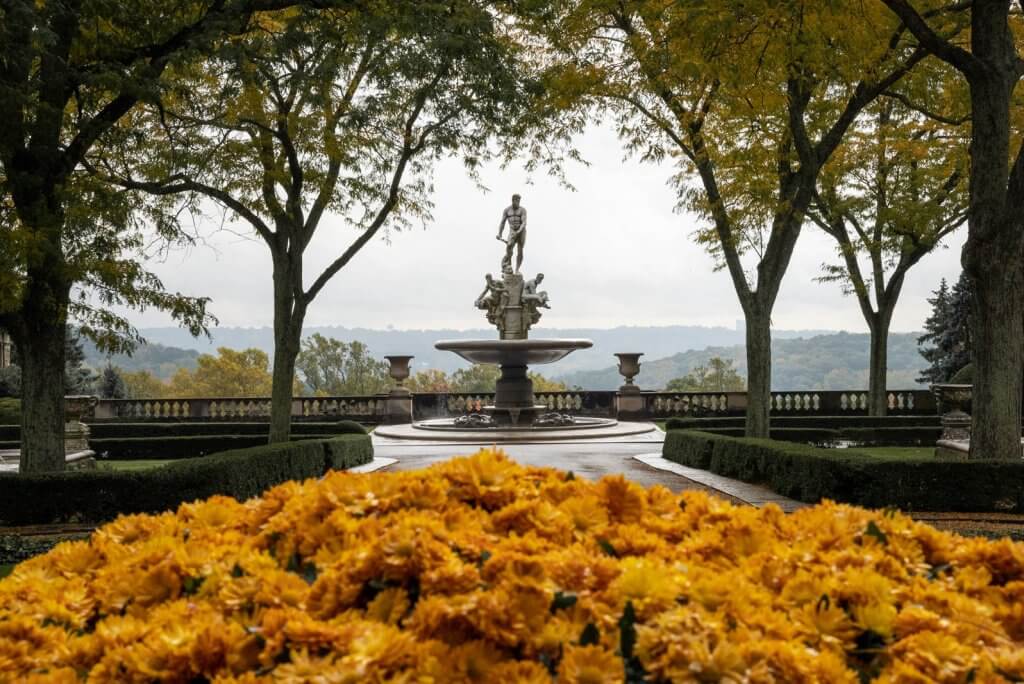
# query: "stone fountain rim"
546, 344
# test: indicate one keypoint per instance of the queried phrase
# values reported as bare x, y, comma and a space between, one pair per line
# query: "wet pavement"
590, 459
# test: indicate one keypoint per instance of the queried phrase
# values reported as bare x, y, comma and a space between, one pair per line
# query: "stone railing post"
953, 401
76, 433
629, 402
398, 404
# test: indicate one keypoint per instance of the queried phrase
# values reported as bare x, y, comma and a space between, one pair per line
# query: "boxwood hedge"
866, 430
810, 474
98, 495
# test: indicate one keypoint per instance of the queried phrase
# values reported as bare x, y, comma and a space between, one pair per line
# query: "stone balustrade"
426, 405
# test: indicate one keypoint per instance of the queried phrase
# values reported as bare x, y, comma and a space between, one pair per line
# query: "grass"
134, 465
901, 453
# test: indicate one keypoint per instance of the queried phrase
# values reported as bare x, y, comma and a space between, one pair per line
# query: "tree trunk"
878, 362
40, 342
288, 319
998, 358
759, 370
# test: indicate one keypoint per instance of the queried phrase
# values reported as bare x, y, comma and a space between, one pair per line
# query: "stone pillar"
76, 433
953, 401
513, 326
629, 402
398, 402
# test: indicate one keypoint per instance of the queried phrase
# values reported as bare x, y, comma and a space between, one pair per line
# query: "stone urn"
399, 371
953, 403
629, 366
76, 433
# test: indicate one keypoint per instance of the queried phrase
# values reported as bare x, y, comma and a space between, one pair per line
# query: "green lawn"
134, 465
898, 452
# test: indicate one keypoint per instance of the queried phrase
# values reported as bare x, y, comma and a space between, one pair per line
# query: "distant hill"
160, 360
655, 342
833, 361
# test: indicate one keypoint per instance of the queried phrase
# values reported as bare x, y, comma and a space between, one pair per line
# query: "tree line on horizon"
885, 124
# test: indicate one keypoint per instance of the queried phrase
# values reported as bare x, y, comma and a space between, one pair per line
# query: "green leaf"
607, 547
563, 600
590, 636
191, 585
627, 631
873, 530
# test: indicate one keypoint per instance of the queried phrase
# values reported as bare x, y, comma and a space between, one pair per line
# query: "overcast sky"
613, 253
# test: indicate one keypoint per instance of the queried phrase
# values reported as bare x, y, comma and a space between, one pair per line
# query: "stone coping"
408, 432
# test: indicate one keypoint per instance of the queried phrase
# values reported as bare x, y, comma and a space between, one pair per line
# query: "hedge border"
138, 430
99, 495
811, 474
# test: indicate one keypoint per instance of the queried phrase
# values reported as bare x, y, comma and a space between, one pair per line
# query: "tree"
144, 385
749, 101
110, 384
429, 381
718, 375
992, 65
69, 72
319, 111
328, 366
543, 384
476, 378
947, 332
231, 373
892, 192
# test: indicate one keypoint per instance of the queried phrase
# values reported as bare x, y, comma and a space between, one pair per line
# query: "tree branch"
934, 43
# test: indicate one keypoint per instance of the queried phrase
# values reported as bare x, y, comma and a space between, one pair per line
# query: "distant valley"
802, 359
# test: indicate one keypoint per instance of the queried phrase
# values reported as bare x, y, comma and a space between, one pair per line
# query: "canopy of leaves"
718, 375
331, 367
231, 373
334, 110
741, 97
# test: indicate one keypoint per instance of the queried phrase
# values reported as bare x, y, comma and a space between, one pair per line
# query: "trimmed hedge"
112, 430
810, 474
892, 431
98, 495
144, 448
10, 411
115, 430
814, 422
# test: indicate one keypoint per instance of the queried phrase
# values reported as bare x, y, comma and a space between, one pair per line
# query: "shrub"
10, 411
109, 430
811, 474
96, 495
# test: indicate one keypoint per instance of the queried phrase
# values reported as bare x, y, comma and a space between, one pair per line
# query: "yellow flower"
389, 606
590, 665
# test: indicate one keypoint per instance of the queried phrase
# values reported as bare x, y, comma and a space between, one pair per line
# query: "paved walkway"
640, 460
591, 459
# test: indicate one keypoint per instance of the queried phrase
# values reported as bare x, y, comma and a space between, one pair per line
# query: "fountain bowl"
514, 352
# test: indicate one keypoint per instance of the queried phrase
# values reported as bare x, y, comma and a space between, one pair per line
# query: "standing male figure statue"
515, 215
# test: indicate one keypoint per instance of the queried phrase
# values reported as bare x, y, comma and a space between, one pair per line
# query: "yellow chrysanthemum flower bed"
479, 569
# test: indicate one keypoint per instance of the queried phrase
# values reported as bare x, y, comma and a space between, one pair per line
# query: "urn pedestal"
76, 433
953, 402
398, 405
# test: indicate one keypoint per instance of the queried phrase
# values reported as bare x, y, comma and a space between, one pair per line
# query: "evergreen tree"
947, 332
110, 384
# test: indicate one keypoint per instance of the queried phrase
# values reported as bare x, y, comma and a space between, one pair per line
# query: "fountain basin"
514, 352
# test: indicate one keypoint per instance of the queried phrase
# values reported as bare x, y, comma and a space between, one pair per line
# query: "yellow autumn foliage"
482, 570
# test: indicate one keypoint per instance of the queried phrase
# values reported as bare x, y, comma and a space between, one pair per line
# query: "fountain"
513, 305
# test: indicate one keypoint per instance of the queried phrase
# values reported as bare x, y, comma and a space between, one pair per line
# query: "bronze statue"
530, 293
492, 299
515, 215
